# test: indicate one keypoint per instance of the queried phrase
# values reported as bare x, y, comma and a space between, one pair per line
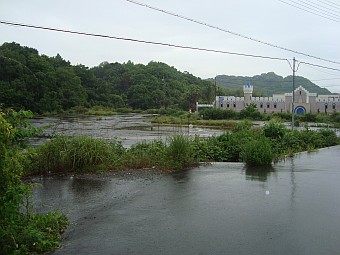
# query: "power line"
139, 41
312, 6
228, 31
312, 12
320, 66
323, 71
158, 43
323, 6
330, 3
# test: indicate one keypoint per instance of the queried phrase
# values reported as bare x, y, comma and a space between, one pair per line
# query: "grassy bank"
85, 154
254, 146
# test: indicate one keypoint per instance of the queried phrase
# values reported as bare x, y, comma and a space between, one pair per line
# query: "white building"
304, 102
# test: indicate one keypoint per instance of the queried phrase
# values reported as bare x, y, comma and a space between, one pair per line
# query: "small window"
326, 106
268, 105
261, 105
333, 106
234, 105
227, 105
300, 92
274, 105
221, 105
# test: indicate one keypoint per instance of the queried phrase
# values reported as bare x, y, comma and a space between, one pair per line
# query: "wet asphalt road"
224, 208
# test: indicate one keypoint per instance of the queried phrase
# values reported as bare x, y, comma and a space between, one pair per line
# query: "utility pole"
215, 92
293, 98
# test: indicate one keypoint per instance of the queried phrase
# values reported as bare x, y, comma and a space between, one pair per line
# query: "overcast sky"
271, 21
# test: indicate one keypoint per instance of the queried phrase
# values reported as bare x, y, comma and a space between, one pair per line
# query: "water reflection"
258, 173
82, 187
181, 177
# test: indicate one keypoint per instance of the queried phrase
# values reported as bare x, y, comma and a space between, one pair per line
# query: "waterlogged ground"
224, 208
128, 129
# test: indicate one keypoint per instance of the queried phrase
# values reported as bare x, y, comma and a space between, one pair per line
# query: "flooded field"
128, 129
224, 208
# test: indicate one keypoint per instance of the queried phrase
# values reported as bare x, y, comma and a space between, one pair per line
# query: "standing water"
223, 208
129, 129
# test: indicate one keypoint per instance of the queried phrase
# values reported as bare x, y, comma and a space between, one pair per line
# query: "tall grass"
77, 154
254, 146
180, 152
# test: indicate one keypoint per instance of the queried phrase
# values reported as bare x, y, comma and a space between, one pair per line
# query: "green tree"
21, 232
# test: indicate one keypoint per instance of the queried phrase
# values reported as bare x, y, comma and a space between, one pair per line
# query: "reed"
77, 154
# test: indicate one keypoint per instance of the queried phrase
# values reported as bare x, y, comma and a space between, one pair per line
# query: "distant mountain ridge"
270, 83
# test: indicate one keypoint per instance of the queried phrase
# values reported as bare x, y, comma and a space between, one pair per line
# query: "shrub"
274, 130
329, 138
21, 232
217, 114
257, 153
180, 152
143, 155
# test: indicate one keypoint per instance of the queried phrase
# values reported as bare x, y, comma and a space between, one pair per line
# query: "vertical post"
293, 98
215, 92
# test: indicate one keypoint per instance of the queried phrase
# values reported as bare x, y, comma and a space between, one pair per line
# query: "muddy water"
128, 129
225, 208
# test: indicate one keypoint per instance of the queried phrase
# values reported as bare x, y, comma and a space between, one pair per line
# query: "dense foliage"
256, 146
51, 84
21, 231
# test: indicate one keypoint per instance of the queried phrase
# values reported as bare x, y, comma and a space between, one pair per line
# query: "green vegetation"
256, 146
76, 154
49, 85
21, 231
84, 154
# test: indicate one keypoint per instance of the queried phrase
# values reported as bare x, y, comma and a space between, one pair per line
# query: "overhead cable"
320, 66
322, 5
230, 32
314, 7
138, 40
311, 11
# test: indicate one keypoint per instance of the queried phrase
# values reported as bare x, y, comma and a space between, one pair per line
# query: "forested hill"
268, 84
43, 84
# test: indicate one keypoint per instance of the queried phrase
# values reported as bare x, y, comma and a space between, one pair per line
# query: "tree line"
44, 84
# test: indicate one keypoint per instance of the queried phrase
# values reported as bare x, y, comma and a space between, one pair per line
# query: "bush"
143, 155
257, 153
329, 138
217, 114
21, 232
180, 152
274, 130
